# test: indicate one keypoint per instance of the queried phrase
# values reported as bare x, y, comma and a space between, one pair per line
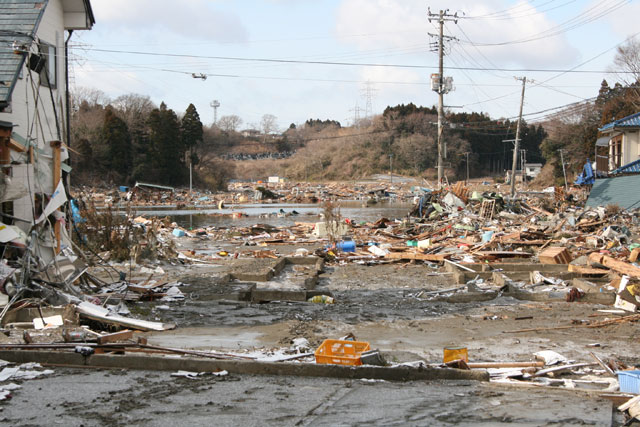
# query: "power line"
357, 64
577, 21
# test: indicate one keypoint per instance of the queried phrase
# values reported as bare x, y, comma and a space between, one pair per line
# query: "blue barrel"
346, 246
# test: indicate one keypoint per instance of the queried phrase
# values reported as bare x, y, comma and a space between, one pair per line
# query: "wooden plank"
116, 337
417, 256
504, 254
524, 242
614, 264
16, 146
589, 271
634, 255
474, 365
554, 255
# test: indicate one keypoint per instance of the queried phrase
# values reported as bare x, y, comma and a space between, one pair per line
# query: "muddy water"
272, 214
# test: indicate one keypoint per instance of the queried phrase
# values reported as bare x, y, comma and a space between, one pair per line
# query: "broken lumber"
634, 255
614, 264
476, 365
587, 270
125, 335
416, 256
554, 255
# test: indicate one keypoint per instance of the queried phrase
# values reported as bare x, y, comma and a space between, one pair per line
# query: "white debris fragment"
550, 357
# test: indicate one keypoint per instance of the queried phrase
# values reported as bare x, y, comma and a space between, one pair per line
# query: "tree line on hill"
130, 138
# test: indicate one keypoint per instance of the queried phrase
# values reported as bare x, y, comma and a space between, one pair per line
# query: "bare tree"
229, 123
269, 123
88, 96
627, 63
133, 108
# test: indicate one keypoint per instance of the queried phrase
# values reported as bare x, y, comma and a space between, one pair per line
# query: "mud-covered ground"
381, 304
119, 398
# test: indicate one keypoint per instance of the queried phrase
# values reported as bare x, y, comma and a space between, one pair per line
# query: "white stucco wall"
41, 126
631, 150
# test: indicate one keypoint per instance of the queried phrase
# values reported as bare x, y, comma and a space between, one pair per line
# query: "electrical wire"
357, 64
577, 21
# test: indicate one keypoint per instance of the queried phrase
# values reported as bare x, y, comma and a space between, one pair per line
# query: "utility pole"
564, 172
390, 169
515, 150
443, 85
467, 181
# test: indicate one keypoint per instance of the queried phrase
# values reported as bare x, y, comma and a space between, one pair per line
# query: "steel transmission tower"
215, 104
368, 92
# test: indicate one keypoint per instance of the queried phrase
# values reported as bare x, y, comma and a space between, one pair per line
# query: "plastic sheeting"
586, 177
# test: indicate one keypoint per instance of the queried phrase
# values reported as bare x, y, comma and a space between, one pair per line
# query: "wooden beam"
587, 270
16, 146
413, 255
125, 335
614, 264
5, 152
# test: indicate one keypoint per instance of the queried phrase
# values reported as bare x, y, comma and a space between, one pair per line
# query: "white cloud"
113, 81
399, 24
188, 18
624, 21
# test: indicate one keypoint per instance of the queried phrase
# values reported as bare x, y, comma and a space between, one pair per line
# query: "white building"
34, 36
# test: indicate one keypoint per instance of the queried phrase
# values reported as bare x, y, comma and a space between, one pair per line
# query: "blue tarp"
586, 177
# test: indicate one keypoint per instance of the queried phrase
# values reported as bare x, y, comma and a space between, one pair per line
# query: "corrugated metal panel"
19, 20
621, 191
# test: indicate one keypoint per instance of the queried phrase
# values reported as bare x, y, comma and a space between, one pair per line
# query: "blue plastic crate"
629, 381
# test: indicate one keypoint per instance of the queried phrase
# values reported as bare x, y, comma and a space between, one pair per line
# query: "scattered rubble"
118, 280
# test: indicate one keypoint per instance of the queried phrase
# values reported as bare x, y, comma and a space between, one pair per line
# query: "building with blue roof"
622, 138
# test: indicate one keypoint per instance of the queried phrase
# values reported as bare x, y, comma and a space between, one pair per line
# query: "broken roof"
632, 121
19, 20
621, 191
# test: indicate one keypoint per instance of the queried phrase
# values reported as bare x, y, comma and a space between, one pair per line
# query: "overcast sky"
181, 38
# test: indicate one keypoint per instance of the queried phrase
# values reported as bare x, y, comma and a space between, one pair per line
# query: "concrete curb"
161, 363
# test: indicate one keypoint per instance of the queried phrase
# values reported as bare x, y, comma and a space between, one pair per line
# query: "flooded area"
275, 214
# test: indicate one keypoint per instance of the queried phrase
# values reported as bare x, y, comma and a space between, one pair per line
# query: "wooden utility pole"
564, 172
467, 181
517, 144
442, 17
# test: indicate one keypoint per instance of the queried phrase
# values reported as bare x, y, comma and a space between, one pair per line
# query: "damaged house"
34, 104
622, 141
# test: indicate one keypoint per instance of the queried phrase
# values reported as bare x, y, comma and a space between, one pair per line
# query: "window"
48, 75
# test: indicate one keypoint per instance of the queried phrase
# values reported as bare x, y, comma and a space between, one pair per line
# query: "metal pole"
390, 169
440, 98
515, 150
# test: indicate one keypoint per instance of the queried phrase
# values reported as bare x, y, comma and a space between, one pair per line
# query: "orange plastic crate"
339, 352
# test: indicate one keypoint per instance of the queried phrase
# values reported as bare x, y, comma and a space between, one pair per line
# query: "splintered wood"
487, 209
554, 255
461, 191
